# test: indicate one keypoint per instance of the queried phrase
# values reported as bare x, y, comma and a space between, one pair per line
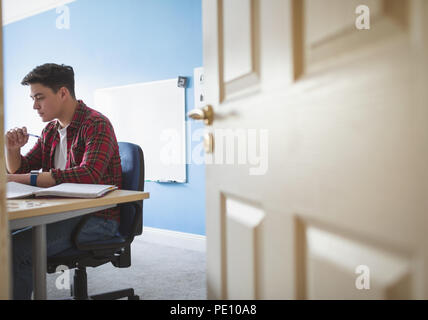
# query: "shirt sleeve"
32, 160
98, 152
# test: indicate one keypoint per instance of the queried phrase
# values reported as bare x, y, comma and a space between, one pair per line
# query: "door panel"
333, 18
239, 43
242, 230
339, 117
331, 35
350, 261
238, 53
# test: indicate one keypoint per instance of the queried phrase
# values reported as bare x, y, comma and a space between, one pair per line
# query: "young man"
78, 145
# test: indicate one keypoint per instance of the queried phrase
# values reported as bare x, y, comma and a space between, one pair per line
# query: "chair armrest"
92, 246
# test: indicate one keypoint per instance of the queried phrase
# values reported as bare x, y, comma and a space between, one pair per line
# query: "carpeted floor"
158, 272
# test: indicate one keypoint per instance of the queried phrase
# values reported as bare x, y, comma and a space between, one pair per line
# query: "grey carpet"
158, 272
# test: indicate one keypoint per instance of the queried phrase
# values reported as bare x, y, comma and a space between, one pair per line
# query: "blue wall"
113, 43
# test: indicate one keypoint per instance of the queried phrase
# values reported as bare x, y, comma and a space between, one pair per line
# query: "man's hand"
16, 138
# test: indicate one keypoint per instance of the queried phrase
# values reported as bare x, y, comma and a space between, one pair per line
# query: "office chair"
116, 250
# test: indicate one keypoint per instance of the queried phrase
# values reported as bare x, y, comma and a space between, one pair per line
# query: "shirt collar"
78, 116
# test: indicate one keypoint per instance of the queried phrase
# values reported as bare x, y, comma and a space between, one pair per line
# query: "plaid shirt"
92, 153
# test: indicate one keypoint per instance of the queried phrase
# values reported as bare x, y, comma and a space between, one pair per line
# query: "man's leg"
58, 237
22, 264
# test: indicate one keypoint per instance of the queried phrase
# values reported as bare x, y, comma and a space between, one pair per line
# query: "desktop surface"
31, 207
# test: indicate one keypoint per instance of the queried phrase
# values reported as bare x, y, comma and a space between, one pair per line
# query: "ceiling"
15, 10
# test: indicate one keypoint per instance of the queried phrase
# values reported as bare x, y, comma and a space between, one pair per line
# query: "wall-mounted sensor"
182, 82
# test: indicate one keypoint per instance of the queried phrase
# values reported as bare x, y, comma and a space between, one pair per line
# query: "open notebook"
69, 190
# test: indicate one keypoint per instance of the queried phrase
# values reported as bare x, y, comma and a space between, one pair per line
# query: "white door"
317, 184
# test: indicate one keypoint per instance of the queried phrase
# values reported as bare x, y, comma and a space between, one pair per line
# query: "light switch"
198, 75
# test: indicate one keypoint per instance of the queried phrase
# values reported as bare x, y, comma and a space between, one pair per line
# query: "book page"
18, 190
76, 190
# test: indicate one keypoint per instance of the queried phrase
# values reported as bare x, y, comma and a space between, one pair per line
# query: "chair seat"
117, 240
73, 256
68, 258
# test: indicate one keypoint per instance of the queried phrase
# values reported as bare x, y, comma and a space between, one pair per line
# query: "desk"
40, 212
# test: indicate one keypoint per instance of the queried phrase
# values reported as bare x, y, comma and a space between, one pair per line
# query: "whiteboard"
151, 115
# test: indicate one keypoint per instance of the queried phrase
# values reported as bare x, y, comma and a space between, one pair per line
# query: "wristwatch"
33, 177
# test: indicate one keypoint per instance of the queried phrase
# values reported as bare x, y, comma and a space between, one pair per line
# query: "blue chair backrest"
132, 161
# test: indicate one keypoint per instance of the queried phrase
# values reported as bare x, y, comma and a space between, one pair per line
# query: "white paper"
76, 190
16, 190
70, 190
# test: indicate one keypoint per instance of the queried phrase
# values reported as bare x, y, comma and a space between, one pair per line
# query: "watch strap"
33, 178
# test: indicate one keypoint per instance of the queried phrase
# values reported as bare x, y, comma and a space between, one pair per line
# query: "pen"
33, 135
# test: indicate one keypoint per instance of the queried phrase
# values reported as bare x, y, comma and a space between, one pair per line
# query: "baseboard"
176, 239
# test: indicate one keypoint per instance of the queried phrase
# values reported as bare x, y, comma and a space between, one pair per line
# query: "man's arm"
13, 160
44, 180
15, 139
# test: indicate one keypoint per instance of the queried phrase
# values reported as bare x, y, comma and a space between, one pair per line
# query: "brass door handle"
206, 114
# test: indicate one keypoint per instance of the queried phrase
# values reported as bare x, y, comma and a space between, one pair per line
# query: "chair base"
79, 290
114, 295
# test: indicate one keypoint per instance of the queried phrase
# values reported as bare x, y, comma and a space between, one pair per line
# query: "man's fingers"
21, 135
10, 138
17, 136
14, 135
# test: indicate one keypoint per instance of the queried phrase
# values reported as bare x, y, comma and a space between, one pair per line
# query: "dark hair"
53, 76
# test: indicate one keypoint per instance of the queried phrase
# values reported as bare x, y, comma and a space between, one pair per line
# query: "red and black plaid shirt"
92, 153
